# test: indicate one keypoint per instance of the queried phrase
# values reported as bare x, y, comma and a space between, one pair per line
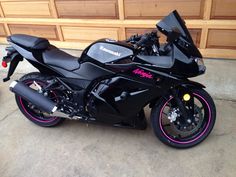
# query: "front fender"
190, 83
186, 85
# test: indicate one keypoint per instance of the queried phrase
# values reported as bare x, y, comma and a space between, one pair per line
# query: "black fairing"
176, 63
120, 98
183, 66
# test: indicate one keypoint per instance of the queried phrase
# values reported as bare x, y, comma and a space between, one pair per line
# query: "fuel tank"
108, 51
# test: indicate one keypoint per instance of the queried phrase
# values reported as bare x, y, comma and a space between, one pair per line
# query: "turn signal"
186, 97
4, 64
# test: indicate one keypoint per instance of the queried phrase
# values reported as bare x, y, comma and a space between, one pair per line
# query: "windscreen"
174, 22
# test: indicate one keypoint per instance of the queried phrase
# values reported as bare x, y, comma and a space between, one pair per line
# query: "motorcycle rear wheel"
33, 114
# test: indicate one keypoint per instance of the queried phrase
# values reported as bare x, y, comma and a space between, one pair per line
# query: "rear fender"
12, 57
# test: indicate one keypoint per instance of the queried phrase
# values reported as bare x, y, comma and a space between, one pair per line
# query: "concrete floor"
75, 149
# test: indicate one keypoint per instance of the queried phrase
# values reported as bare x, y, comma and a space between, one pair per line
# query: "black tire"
158, 128
21, 103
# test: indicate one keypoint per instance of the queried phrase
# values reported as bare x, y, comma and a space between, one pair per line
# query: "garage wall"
76, 23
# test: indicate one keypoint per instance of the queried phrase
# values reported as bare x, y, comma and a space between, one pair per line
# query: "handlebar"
144, 40
148, 41
134, 38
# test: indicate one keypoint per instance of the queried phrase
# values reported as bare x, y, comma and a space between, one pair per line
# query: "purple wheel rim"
37, 119
190, 141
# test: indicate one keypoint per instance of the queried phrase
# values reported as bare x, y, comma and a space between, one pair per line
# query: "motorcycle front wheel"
176, 131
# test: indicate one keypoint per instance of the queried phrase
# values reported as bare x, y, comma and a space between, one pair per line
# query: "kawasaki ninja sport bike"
113, 81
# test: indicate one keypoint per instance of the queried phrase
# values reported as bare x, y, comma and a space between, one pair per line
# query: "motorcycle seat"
159, 61
58, 58
29, 42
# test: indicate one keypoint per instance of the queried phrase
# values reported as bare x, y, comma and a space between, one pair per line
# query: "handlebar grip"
142, 41
134, 38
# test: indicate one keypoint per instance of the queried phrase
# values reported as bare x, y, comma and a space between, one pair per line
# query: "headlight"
199, 61
201, 66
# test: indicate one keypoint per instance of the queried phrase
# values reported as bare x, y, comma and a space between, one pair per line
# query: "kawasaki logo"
110, 51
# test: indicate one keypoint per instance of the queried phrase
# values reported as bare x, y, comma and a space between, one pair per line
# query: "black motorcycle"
113, 81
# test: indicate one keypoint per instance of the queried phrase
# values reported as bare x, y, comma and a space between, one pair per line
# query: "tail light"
4, 64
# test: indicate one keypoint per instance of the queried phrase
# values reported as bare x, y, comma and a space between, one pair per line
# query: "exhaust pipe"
37, 99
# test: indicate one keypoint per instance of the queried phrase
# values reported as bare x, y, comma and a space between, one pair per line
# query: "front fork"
186, 113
